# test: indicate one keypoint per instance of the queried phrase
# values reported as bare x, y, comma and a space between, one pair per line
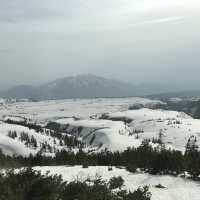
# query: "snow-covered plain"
63, 110
176, 188
111, 133
81, 108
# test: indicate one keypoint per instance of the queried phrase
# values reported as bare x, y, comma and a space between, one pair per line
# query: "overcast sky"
133, 40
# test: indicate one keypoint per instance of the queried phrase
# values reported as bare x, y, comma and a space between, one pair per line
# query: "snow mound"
176, 127
111, 133
13, 146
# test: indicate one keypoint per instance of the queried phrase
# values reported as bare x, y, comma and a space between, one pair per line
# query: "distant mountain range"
179, 94
83, 86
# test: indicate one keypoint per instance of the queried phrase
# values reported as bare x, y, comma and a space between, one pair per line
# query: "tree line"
154, 160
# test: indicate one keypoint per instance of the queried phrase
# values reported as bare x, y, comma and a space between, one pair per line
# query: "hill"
81, 86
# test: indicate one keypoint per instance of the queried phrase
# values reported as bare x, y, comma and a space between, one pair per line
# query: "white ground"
152, 121
15, 146
113, 135
176, 188
83, 108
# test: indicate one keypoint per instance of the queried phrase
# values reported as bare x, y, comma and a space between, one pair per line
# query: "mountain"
81, 86
91, 86
22, 91
180, 94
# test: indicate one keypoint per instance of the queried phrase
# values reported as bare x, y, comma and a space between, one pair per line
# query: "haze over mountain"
179, 94
81, 86
90, 86
140, 41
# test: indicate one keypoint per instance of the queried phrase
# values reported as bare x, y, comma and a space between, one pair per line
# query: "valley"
97, 127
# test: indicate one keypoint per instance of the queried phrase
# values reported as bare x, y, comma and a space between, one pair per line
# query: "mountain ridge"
93, 86
80, 86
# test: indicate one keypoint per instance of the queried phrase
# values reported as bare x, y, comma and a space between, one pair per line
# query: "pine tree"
192, 156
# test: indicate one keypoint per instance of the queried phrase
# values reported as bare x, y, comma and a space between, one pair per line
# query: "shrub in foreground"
28, 184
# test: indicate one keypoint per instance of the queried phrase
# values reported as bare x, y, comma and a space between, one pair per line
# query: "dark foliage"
116, 182
28, 184
153, 160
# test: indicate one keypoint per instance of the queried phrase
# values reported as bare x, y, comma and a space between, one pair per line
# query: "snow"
176, 127
15, 146
14, 118
176, 188
111, 135
175, 99
81, 108
149, 114
114, 135
152, 121
2, 101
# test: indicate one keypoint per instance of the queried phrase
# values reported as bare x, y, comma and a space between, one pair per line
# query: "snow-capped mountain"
85, 86
81, 86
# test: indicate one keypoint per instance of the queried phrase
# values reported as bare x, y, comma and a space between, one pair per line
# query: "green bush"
28, 184
116, 182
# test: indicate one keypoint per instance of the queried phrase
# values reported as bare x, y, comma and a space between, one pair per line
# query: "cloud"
161, 20
140, 40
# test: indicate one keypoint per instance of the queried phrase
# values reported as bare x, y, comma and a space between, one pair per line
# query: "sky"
138, 41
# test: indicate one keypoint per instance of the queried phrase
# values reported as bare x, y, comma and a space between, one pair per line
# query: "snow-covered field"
176, 128
81, 108
63, 110
176, 188
111, 133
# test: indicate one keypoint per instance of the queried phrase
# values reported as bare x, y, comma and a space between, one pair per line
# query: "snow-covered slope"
112, 135
18, 146
108, 134
102, 130
175, 188
176, 128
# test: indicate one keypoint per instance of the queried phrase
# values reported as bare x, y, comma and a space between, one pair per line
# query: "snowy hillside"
175, 188
176, 127
62, 111
114, 134
13, 140
99, 123
95, 125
